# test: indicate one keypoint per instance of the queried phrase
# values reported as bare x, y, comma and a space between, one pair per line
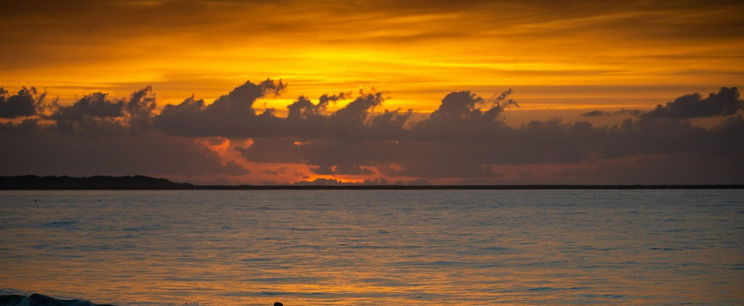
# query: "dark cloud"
98, 135
96, 114
140, 108
724, 103
350, 121
230, 115
465, 105
657, 169
601, 113
25, 103
464, 115
465, 138
274, 150
93, 105
353, 121
333, 98
306, 118
50, 152
596, 113
304, 109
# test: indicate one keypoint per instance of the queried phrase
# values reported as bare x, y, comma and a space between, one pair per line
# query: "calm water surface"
375, 247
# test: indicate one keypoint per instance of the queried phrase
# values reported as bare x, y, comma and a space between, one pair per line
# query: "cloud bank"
465, 140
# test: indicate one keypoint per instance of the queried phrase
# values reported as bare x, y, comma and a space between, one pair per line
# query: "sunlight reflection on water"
375, 247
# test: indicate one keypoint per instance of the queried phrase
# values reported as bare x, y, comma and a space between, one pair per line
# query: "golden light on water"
368, 247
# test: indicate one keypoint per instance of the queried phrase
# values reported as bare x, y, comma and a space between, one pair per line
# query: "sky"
374, 92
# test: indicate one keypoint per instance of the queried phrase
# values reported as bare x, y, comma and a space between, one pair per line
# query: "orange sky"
568, 55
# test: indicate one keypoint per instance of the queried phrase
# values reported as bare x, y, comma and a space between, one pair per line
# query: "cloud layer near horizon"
464, 141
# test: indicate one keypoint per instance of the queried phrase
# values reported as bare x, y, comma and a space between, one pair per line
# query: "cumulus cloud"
94, 114
140, 108
333, 98
97, 114
230, 115
465, 105
596, 113
304, 109
724, 103
93, 105
464, 115
25, 103
600, 113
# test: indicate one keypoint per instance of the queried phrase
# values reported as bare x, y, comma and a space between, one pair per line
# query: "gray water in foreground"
375, 247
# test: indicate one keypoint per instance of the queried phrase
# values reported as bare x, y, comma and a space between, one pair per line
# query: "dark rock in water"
11, 299
41, 300
278, 304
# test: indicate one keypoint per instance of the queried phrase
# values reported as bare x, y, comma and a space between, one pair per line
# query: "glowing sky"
553, 53
561, 58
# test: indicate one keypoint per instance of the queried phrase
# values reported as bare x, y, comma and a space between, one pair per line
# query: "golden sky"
554, 54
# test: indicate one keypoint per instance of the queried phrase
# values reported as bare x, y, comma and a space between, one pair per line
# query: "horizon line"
141, 182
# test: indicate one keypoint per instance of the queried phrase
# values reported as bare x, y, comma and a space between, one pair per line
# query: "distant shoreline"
31, 182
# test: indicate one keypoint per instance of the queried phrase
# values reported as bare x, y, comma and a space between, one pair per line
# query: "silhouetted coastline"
33, 182
139, 182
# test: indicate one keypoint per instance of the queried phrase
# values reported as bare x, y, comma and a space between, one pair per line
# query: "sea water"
375, 247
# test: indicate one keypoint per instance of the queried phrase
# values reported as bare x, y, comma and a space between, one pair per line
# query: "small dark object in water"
278, 304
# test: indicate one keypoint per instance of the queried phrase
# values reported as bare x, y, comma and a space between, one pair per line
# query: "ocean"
310, 247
